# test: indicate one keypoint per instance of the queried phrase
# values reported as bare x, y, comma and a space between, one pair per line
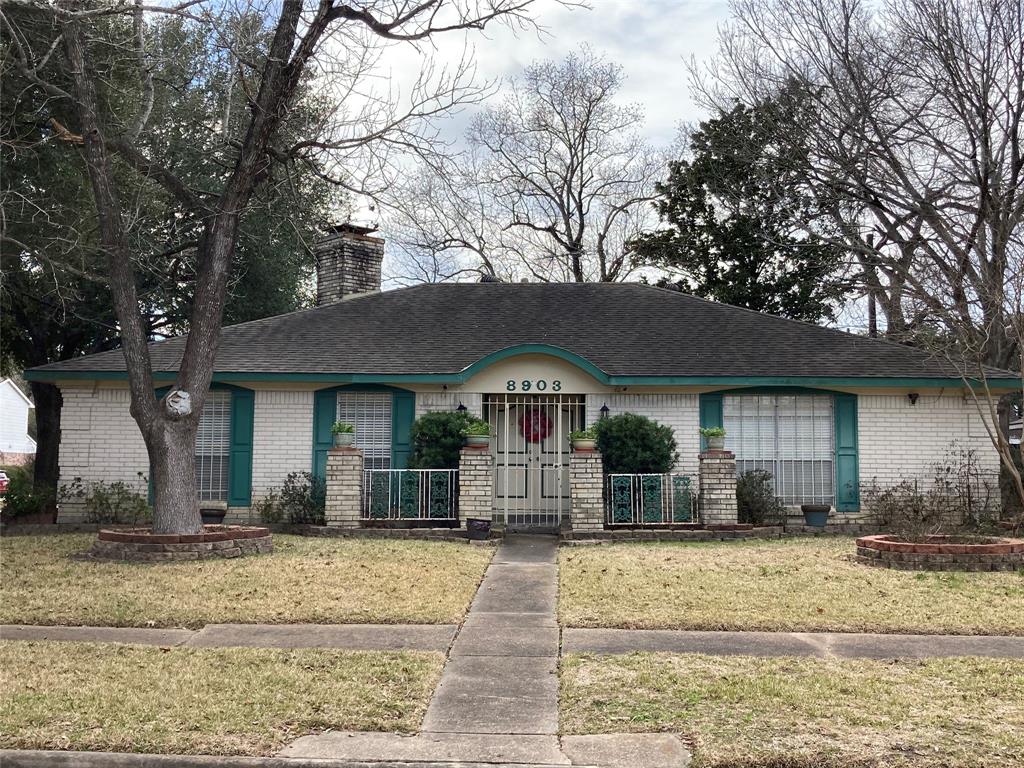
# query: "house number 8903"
541, 385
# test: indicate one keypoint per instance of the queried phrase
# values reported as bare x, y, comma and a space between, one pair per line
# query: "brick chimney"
347, 263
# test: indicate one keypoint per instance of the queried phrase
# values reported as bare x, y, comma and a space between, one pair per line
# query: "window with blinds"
213, 447
370, 413
790, 436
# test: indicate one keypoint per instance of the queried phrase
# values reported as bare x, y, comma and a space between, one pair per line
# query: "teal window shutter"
710, 413
403, 413
847, 480
240, 455
325, 412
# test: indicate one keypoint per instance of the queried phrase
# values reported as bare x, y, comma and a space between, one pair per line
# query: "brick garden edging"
216, 541
939, 554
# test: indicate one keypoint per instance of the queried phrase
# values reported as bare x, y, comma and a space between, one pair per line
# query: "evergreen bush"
437, 439
634, 444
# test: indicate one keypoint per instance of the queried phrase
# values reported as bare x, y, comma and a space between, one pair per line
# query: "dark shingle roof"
623, 329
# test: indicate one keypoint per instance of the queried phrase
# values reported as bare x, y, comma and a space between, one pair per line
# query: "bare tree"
915, 144
555, 185
339, 41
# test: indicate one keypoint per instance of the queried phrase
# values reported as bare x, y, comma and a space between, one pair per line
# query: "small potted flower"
344, 434
477, 433
715, 437
584, 439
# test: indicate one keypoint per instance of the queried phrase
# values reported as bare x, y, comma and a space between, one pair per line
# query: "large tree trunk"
171, 444
48, 403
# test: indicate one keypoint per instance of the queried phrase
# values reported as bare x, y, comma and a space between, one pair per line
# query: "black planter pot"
816, 514
478, 529
212, 516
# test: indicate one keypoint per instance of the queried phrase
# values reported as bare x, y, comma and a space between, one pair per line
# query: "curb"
32, 758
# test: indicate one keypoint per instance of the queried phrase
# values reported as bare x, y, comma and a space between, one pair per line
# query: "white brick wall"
282, 437
679, 411
100, 442
428, 402
899, 440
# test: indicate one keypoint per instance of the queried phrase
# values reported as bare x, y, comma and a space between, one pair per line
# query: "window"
790, 436
370, 413
213, 447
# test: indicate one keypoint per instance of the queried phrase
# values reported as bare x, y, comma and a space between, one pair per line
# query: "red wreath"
535, 425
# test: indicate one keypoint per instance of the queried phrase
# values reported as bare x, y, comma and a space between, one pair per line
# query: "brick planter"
941, 554
216, 541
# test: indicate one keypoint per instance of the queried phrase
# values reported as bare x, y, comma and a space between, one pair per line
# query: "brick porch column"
476, 483
344, 487
586, 488
717, 500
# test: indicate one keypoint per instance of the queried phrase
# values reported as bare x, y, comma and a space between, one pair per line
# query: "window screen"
790, 436
370, 413
213, 447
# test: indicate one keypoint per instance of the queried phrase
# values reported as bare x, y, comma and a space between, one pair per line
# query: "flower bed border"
216, 541
884, 551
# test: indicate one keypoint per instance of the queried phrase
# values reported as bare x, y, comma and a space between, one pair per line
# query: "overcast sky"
651, 39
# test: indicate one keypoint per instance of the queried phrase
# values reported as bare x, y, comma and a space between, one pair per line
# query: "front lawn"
316, 580
229, 701
788, 585
747, 712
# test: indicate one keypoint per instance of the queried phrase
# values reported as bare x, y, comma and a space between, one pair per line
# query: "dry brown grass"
786, 585
806, 713
329, 581
230, 701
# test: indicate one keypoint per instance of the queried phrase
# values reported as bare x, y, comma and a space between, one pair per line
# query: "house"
823, 410
16, 445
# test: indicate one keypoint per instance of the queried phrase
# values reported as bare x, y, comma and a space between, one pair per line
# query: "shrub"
303, 499
117, 503
437, 439
342, 428
268, 509
22, 498
635, 444
905, 511
756, 501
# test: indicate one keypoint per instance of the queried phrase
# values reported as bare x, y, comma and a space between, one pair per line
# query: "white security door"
531, 451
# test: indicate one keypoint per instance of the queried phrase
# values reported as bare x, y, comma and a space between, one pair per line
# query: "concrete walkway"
497, 702
838, 645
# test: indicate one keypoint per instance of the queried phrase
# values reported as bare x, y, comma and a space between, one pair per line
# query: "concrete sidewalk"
355, 637
838, 645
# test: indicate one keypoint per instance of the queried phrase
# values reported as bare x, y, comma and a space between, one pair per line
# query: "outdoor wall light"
912, 397
605, 410
461, 408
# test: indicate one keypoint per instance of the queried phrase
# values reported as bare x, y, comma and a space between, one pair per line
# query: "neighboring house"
16, 446
824, 410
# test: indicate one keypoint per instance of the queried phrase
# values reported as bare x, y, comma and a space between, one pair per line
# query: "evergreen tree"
731, 212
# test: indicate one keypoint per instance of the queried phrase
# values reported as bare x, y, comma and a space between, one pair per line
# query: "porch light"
912, 397
461, 408
605, 410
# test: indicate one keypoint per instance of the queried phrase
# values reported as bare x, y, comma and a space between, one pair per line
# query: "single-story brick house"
823, 410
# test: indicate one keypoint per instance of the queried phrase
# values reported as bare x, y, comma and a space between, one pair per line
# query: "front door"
531, 457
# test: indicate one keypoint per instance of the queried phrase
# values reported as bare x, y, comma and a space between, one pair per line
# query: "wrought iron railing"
649, 499
410, 494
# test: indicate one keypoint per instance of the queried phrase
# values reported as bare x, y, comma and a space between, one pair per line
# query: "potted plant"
584, 439
477, 433
478, 528
344, 434
816, 514
715, 437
